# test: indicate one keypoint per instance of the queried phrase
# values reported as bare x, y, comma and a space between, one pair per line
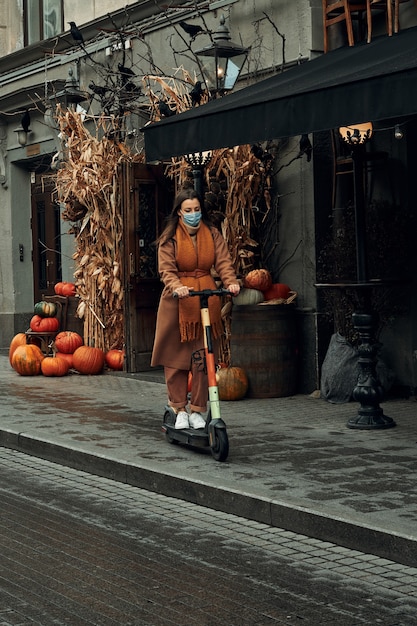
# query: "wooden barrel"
264, 343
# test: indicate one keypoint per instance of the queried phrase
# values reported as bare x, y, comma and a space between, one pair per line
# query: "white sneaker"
196, 420
182, 420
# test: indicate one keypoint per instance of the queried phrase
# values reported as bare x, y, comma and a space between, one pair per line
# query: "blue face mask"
191, 219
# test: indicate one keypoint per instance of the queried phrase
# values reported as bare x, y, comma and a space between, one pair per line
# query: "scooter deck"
193, 437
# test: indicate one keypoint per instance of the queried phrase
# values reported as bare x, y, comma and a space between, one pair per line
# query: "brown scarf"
197, 259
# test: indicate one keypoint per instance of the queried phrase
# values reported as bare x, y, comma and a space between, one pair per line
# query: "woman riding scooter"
188, 249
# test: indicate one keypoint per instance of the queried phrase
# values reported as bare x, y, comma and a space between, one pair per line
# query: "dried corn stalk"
245, 178
247, 184
87, 184
174, 92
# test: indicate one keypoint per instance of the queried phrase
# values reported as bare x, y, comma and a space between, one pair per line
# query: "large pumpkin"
258, 279
248, 296
115, 359
69, 358
18, 340
88, 360
277, 290
54, 366
26, 360
44, 324
68, 341
45, 309
232, 383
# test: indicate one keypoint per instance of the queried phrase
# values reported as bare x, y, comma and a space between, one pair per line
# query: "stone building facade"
39, 56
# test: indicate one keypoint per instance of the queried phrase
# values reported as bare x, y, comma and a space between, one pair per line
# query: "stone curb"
271, 512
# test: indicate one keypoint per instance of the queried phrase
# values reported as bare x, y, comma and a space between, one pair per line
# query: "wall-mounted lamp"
223, 61
398, 133
357, 134
22, 135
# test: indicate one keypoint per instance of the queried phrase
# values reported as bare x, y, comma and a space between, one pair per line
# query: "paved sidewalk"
292, 464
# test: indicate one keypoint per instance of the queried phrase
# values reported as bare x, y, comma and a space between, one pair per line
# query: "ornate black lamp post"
198, 161
222, 61
368, 390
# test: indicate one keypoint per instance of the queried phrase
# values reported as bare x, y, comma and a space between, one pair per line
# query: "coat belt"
194, 274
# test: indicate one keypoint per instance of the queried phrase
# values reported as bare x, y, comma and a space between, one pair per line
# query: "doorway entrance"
146, 202
46, 237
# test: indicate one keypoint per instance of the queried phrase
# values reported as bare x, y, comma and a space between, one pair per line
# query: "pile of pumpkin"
69, 352
68, 349
258, 288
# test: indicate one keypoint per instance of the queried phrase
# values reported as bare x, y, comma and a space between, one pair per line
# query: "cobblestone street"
82, 549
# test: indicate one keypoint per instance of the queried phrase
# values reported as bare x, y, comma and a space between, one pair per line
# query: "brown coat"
168, 349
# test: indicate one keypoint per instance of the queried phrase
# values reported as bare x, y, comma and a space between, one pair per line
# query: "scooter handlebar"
207, 292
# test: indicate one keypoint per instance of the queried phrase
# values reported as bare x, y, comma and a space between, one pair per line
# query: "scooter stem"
211, 365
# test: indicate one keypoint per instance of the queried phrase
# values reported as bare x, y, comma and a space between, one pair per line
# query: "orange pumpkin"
44, 324
277, 290
232, 383
68, 289
64, 288
114, 359
69, 358
26, 360
58, 288
258, 279
54, 366
68, 341
88, 360
18, 340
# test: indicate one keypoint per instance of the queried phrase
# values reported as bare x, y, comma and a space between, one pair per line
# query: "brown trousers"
177, 384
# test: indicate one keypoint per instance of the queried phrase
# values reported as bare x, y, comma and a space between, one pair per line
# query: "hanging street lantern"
70, 96
222, 61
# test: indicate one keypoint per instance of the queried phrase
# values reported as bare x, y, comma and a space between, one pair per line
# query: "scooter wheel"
169, 418
220, 447
170, 439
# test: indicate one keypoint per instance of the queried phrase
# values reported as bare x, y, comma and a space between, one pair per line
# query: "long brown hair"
173, 218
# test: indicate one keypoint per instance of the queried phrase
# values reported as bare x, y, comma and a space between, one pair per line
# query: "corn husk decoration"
87, 185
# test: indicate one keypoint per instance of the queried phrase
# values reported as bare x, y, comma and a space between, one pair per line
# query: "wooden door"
46, 238
146, 202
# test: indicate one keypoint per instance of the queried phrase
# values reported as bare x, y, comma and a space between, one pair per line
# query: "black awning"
366, 82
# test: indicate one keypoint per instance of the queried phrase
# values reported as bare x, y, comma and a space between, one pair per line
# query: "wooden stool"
43, 340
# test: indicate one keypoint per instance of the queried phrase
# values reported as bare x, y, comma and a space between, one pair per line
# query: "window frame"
41, 18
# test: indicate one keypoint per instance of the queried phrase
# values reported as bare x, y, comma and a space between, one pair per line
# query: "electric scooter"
214, 435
